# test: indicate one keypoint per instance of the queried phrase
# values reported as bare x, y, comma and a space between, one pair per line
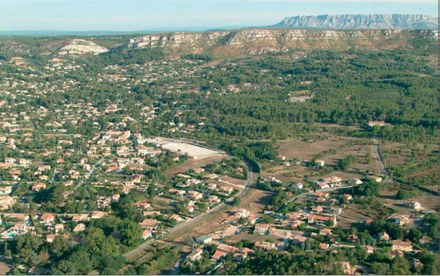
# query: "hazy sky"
132, 15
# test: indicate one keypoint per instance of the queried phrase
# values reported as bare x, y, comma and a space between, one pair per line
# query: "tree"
130, 232
59, 246
236, 201
399, 266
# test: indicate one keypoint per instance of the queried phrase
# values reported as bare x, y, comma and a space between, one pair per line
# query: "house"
6, 190
177, 192
47, 218
298, 239
195, 255
265, 245
194, 195
261, 228
199, 170
227, 248
176, 217
415, 205
242, 213
296, 223
98, 214
6, 202
293, 215
218, 254
400, 219
50, 238
214, 199
348, 197
59, 227
377, 123
320, 163
81, 217
369, 249
204, 239
321, 220
143, 205
353, 237
226, 190
317, 209
146, 234
38, 187
323, 185
399, 245
212, 186
325, 232
298, 185
252, 219
383, 236
150, 224
425, 239
324, 246
211, 176
347, 268
79, 228
190, 208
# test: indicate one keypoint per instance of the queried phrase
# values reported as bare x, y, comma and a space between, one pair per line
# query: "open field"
388, 198
194, 163
182, 148
342, 147
255, 200
250, 237
4, 268
232, 180
355, 213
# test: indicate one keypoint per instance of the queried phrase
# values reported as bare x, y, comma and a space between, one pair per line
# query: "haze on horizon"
136, 15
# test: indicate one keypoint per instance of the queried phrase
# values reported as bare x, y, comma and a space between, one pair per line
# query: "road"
379, 161
325, 190
87, 176
189, 224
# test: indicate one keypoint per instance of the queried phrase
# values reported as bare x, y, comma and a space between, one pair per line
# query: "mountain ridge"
360, 21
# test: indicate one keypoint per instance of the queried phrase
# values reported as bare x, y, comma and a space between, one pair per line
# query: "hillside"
255, 41
221, 43
358, 21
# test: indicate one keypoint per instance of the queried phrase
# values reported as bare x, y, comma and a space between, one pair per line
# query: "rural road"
379, 161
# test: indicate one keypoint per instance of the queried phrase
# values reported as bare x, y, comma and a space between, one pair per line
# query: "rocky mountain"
358, 21
81, 46
256, 41
221, 43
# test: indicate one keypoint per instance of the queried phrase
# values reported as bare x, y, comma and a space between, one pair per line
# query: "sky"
138, 15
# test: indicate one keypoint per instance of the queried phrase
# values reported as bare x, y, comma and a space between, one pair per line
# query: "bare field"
354, 213
194, 163
344, 146
387, 197
4, 268
255, 200
250, 237
232, 180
